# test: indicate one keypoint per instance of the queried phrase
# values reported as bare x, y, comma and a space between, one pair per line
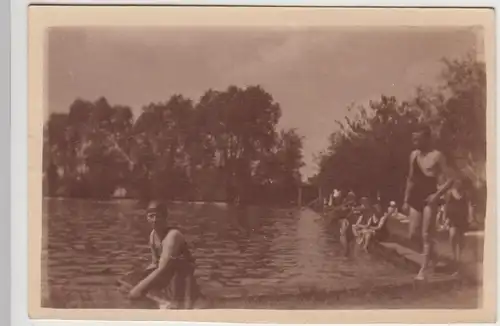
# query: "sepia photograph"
268, 161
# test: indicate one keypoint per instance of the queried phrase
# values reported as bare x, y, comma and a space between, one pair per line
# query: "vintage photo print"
261, 164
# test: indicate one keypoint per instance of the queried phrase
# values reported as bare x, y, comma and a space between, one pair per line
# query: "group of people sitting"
364, 222
361, 222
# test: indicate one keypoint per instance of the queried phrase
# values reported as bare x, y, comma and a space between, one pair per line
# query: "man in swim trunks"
427, 166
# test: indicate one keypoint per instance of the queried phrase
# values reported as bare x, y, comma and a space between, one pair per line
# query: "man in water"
172, 266
427, 166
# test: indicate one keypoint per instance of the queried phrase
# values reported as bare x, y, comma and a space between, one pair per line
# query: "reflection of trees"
225, 147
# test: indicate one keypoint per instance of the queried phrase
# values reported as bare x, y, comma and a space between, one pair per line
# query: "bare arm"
154, 255
358, 222
367, 222
382, 221
445, 172
471, 210
409, 179
170, 246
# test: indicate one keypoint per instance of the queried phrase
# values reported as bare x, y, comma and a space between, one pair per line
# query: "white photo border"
18, 145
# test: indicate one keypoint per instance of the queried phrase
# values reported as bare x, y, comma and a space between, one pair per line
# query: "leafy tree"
277, 174
216, 149
369, 153
164, 132
240, 127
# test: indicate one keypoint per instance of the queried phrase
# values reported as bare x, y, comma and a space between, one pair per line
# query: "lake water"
88, 245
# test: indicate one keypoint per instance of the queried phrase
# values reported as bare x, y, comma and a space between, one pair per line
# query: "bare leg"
368, 237
415, 227
454, 245
428, 230
459, 247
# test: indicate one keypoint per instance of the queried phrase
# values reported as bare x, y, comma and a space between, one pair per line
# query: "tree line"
225, 147
369, 151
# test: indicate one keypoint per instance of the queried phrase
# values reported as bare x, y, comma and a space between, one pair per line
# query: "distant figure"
345, 214
377, 227
458, 211
337, 193
422, 194
392, 210
364, 216
172, 265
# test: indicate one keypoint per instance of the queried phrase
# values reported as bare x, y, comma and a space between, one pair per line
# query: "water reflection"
238, 250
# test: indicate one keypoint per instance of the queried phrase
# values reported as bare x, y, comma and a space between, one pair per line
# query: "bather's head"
157, 214
392, 207
365, 202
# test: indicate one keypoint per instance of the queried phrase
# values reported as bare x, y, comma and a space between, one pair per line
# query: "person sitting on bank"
377, 227
365, 212
392, 210
172, 264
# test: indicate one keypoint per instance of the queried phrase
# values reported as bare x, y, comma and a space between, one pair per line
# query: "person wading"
427, 166
172, 264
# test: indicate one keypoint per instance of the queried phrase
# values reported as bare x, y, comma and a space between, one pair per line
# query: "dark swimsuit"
381, 233
457, 210
179, 280
423, 187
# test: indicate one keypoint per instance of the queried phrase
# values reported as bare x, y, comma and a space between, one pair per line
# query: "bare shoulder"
438, 155
174, 236
437, 152
414, 154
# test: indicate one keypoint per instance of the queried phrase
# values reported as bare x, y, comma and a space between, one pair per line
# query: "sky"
314, 74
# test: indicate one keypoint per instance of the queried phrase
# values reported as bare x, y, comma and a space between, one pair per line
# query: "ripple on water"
89, 245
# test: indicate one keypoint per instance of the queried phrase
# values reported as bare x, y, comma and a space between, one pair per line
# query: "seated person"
365, 211
392, 210
377, 227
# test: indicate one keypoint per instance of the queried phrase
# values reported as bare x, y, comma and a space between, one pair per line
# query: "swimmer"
427, 166
172, 265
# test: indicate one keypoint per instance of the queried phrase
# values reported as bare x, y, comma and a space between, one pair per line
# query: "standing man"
427, 167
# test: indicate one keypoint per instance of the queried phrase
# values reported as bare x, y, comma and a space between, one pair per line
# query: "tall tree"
240, 124
164, 132
369, 153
